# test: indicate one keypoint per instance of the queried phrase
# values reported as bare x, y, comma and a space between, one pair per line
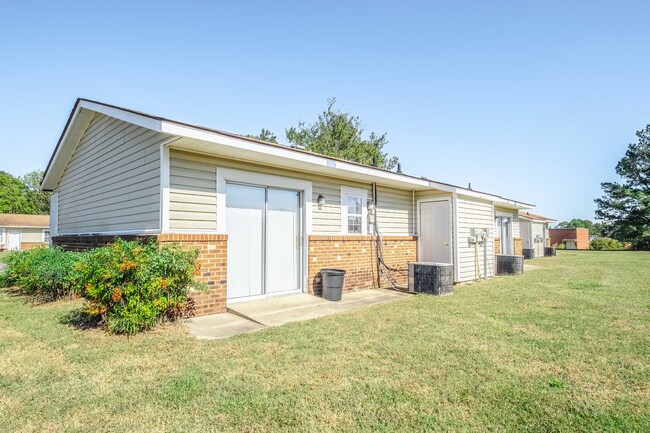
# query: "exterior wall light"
321, 200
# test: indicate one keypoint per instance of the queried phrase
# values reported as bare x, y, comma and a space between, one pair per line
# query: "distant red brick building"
573, 239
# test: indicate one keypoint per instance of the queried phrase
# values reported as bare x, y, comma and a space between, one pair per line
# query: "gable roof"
534, 217
23, 220
200, 139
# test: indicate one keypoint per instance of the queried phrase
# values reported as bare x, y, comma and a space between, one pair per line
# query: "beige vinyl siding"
112, 182
477, 214
31, 235
395, 211
193, 195
327, 218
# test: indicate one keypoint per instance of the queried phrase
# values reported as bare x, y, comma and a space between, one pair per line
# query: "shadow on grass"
81, 320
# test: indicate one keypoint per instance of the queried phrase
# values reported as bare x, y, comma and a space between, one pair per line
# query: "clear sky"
535, 101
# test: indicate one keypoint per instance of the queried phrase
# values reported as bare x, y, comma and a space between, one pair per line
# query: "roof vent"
469, 185
399, 168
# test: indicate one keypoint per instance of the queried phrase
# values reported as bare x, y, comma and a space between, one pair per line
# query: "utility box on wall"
432, 278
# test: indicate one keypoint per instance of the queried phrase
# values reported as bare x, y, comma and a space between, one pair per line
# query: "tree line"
23, 194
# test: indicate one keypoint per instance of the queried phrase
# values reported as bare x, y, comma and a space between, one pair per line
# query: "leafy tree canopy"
23, 194
40, 199
340, 134
265, 135
577, 223
625, 207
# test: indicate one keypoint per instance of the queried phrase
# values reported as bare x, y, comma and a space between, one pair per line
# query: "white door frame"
452, 250
225, 175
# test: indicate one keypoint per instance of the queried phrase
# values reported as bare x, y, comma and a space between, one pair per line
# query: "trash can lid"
333, 270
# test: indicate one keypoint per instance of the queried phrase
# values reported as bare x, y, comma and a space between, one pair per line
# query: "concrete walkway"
251, 316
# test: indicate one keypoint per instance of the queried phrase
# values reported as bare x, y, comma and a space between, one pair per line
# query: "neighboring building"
535, 232
266, 217
573, 239
22, 232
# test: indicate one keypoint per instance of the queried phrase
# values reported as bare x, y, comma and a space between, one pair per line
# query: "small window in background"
46, 236
355, 214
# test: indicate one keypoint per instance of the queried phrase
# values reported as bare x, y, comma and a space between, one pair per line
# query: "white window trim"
356, 192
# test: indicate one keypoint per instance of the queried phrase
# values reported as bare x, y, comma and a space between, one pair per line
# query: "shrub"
605, 244
41, 271
560, 246
642, 243
133, 286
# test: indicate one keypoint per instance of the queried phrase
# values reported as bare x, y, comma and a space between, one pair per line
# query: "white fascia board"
288, 153
126, 116
502, 202
47, 180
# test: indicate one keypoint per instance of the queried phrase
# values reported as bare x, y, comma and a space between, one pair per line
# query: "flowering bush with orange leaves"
133, 285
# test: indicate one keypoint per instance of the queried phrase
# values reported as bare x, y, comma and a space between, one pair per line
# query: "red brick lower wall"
358, 256
212, 261
518, 249
29, 245
518, 245
213, 269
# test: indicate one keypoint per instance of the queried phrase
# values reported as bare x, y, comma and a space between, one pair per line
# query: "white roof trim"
54, 170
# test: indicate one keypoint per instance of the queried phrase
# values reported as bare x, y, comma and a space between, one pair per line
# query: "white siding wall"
395, 211
478, 214
112, 182
538, 229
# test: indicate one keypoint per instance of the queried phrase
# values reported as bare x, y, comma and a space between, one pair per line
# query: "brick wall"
212, 261
580, 235
518, 245
213, 268
29, 245
358, 256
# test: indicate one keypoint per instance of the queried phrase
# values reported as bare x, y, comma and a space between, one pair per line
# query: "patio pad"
250, 316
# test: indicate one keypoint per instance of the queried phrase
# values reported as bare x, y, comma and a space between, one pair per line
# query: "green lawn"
565, 347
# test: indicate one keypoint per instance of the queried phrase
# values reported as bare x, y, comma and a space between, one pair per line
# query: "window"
46, 236
353, 210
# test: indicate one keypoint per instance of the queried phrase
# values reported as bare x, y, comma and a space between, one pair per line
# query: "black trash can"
332, 280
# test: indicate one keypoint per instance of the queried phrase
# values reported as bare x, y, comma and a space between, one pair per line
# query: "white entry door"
435, 232
264, 241
13, 239
504, 229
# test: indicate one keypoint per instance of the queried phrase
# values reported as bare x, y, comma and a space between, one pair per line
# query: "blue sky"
535, 101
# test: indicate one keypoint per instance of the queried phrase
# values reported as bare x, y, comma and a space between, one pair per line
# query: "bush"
41, 271
605, 244
560, 246
133, 286
642, 243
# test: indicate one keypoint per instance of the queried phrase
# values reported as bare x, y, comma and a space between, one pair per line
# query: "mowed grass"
565, 347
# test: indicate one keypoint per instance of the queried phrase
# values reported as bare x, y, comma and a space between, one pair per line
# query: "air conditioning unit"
431, 278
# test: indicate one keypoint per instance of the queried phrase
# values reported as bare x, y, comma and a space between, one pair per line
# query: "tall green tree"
265, 135
577, 223
13, 195
40, 199
625, 207
340, 134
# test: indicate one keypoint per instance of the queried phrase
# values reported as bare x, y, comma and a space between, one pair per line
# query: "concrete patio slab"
251, 316
278, 311
220, 326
